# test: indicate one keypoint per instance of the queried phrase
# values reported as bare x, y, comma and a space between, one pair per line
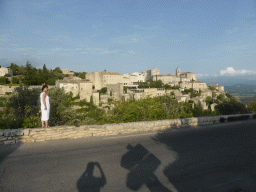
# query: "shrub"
232, 118
222, 119
254, 116
8, 93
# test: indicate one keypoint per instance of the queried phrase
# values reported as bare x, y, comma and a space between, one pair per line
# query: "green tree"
125, 89
15, 69
45, 72
15, 80
231, 106
221, 97
29, 75
61, 113
22, 103
198, 110
103, 90
208, 101
3, 80
7, 75
252, 106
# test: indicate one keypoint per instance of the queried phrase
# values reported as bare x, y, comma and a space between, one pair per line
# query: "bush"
232, 118
31, 122
8, 93
222, 119
231, 106
22, 104
7, 75
254, 116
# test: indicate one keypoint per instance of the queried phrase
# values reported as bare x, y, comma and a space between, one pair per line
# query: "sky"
209, 38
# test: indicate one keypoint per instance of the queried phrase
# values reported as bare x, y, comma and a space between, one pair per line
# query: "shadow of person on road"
211, 158
142, 165
88, 182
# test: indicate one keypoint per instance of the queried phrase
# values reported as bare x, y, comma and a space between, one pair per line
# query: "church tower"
178, 72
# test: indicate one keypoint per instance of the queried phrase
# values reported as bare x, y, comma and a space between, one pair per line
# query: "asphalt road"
213, 158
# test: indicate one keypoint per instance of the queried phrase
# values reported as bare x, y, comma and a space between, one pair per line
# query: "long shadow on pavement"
88, 182
216, 158
142, 164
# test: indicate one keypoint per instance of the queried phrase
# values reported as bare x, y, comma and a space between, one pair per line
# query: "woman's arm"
44, 96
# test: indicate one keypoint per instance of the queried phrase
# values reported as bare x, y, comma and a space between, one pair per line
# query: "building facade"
77, 86
67, 72
102, 79
4, 71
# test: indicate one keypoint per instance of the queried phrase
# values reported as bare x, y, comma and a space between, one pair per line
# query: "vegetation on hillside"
29, 75
155, 84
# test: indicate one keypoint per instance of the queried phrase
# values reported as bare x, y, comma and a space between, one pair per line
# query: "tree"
45, 72
15, 69
91, 100
231, 106
23, 103
7, 75
57, 70
29, 75
252, 106
3, 80
15, 80
125, 89
198, 110
212, 88
208, 100
103, 90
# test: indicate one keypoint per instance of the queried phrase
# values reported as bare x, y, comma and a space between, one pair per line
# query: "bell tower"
178, 72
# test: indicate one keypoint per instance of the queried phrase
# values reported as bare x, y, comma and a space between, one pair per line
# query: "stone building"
116, 89
67, 72
101, 79
217, 87
77, 86
4, 71
166, 79
197, 85
186, 75
128, 79
145, 92
148, 74
180, 79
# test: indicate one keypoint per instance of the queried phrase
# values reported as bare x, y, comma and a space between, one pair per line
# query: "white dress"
45, 113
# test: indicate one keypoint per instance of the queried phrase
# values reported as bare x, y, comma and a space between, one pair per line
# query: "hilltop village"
126, 86
122, 87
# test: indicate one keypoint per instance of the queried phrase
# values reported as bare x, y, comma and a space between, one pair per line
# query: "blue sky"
209, 38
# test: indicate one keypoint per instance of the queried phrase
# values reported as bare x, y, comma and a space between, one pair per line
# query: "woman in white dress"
45, 106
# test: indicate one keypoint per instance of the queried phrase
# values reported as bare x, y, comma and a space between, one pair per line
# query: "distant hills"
245, 92
229, 80
242, 87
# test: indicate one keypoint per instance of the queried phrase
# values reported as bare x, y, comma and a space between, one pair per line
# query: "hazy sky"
214, 37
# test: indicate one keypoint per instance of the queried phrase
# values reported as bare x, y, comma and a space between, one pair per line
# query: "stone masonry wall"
12, 136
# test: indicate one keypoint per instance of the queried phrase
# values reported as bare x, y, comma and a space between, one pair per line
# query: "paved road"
213, 158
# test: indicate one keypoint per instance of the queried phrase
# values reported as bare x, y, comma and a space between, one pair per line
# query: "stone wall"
12, 136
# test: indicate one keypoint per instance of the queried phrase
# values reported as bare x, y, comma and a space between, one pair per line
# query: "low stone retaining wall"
12, 136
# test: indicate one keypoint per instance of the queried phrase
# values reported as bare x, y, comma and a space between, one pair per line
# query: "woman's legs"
42, 123
46, 123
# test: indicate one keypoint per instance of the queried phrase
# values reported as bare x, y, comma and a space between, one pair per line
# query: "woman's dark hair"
44, 87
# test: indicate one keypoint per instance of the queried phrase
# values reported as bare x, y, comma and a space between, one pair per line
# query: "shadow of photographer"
142, 164
88, 182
